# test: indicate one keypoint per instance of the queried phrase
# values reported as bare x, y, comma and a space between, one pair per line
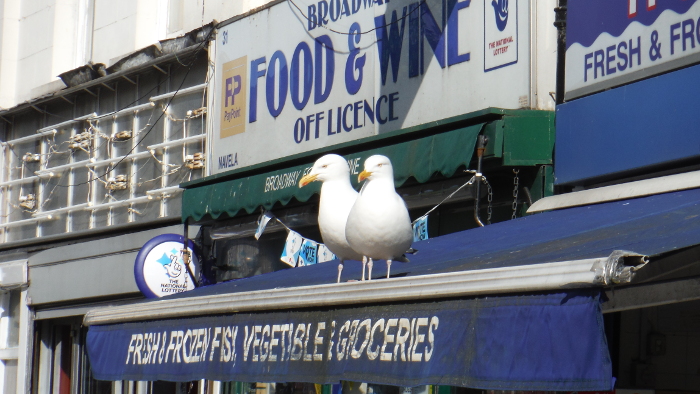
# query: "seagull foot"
370, 264
340, 269
388, 268
364, 264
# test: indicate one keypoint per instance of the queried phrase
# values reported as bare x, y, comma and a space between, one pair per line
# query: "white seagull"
337, 198
379, 226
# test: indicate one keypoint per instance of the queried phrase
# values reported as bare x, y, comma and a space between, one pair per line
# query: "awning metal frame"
527, 278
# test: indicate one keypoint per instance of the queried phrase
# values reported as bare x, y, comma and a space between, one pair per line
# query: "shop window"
246, 257
232, 252
345, 387
110, 155
61, 366
10, 302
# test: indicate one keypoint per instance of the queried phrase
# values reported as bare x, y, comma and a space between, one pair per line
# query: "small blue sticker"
420, 229
291, 248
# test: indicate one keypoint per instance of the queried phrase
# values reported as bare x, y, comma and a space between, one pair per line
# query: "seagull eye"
380, 164
324, 166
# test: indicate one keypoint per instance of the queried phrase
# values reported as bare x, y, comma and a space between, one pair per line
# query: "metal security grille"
117, 159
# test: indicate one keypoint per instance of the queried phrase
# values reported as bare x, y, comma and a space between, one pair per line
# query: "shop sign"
470, 342
310, 74
159, 269
610, 43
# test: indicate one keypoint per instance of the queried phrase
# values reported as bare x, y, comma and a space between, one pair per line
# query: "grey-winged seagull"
379, 226
337, 198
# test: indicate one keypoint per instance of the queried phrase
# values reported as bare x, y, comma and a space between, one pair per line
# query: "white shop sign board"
287, 80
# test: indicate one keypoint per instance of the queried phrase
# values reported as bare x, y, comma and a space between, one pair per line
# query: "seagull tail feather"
402, 259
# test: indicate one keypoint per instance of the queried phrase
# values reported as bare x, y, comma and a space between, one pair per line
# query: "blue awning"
434, 322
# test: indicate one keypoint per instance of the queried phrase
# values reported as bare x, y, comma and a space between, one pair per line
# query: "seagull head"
327, 168
377, 167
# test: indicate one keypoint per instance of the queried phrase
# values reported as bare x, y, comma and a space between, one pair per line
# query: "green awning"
421, 158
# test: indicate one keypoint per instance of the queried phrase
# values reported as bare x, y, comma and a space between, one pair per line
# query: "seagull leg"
388, 268
340, 269
369, 265
364, 264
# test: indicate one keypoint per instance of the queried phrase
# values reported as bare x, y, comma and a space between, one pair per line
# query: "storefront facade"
628, 130
408, 81
89, 172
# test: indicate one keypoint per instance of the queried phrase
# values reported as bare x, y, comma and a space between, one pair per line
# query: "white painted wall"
544, 54
40, 39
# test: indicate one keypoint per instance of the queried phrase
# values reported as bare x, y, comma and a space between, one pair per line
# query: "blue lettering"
621, 54
430, 30
300, 103
420, 31
453, 56
609, 59
299, 130
255, 74
674, 37
637, 51
322, 12
338, 125
346, 8
393, 97
378, 109
369, 111
413, 41
345, 116
311, 17
587, 66
228, 161
278, 56
309, 120
354, 62
231, 93
319, 118
356, 6
330, 122
389, 43
356, 113
321, 95
598, 58
688, 33
334, 9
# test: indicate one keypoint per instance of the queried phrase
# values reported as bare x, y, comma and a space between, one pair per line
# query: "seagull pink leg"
388, 268
340, 269
364, 264
369, 265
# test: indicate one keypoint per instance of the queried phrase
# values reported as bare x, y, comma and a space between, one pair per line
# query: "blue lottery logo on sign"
500, 34
160, 269
500, 7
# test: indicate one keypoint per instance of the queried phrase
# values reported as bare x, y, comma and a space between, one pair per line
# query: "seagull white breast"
378, 225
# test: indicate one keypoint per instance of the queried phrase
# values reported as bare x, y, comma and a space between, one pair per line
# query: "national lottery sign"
310, 74
613, 42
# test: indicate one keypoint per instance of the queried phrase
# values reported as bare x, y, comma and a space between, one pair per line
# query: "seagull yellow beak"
363, 175
306, 179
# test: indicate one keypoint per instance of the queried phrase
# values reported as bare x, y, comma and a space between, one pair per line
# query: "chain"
516, 183
490, 199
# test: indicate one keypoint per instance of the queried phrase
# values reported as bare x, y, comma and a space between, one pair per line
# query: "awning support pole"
186, 258
480, 146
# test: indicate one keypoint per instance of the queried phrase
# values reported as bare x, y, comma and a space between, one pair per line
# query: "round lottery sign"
159, 269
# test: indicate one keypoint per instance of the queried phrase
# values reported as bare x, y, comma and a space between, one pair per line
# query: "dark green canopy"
421, 158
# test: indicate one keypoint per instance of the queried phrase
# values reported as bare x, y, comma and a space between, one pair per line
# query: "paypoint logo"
233, 109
